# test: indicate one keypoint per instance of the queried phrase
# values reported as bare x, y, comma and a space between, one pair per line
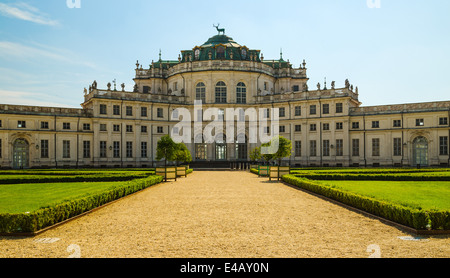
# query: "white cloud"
17, 51
26, 12
30, 99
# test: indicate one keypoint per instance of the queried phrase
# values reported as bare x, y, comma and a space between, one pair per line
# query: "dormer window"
220, 52
244, 53
197, 54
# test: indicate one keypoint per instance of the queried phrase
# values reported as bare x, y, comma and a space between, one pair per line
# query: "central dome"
221, 39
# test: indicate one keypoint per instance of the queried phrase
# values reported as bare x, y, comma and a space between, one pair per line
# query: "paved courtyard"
224, 215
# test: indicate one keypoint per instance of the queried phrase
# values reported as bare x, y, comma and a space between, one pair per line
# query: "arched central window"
241, 93
200, 92
220, 52
221, 92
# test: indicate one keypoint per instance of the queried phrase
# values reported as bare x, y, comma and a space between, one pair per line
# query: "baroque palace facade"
327, 126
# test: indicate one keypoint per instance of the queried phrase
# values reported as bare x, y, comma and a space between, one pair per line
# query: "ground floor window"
66, 149
443, 145
376, 147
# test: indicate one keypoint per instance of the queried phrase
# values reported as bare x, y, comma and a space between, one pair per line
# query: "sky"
395, 51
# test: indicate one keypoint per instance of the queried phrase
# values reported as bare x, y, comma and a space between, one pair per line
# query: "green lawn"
416, 194
20, 198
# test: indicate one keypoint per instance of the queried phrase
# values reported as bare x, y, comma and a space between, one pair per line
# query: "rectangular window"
102, 149
21, 124
129, 149
66, 149
266, 113
199, 116
102, 127
116, 128
326, 126
296, 88
420, 122
160, 113
129, 111
397, 123
375, 147
221, 115
129, 128
339, 108
298, 148
116, 149
313, 127
326, 109
443, 121
86, 126
355, 147
144, 129
266, 129
86, 149
339, 126
66, 126
160, 129
298, 128
44, 125
375, 124
144, 112
355, 125
312, 148
282, 112
298, 110
146, 89
116, 110
44, 149
398, 145
326, 148
339, 147
312, 110
103, 109
282, 129
0, 123
143, 149
0, 148
443, 145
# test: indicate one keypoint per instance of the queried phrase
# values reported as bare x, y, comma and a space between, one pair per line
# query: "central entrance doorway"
221, 147
21, 154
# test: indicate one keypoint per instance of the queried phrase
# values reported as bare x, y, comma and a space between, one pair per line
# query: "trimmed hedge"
51, 215
386, 177
69, 177
414, 218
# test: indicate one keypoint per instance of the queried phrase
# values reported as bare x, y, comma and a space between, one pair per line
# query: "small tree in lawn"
284, 149
166, 149
255, 154
267, 157
182, 154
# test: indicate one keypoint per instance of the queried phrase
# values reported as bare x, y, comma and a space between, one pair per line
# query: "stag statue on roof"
219, 30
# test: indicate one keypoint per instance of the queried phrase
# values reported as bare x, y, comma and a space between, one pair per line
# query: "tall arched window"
241, 93
221, 92
200, 92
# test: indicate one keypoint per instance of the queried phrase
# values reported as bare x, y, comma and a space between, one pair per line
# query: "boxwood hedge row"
386, 177
79, 177
414, 218
48, 216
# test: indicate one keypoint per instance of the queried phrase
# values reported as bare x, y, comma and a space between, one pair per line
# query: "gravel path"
224, 215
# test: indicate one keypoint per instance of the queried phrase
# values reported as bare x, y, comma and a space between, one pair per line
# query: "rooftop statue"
219, 30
